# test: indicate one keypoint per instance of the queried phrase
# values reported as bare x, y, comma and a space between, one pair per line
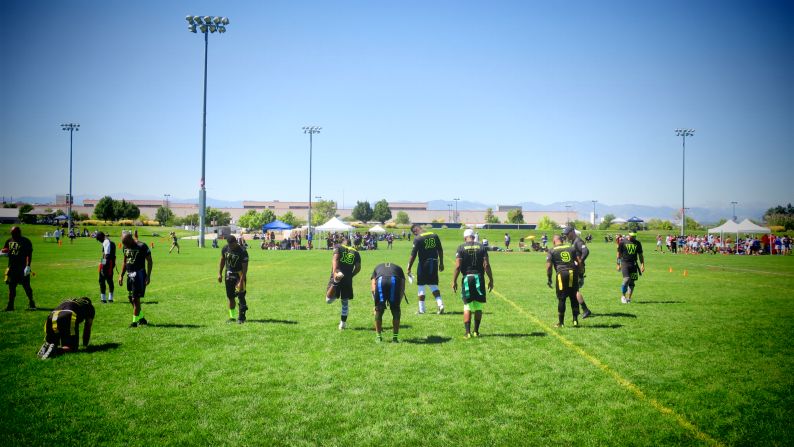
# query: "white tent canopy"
728, 227
747, 227
334, 225
377, 229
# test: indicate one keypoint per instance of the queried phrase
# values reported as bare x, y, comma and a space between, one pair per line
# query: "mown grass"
710, 349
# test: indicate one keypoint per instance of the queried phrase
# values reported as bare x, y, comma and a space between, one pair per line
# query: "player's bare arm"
220, 269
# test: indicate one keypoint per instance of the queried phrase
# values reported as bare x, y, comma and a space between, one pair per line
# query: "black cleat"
134, 324
143, 322
586, 314
241, 321
231, 321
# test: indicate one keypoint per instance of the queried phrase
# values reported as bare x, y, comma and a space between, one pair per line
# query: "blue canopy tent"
276, 225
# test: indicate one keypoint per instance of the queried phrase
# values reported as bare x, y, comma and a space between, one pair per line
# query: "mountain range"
582, 210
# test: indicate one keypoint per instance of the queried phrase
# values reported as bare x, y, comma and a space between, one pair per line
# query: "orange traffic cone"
670, 269
119, 244
686, 273
152, 244
60, 243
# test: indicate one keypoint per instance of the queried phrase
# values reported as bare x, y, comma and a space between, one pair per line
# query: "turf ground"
701, 359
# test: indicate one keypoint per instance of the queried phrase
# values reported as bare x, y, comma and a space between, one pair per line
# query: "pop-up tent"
747, 227
334, 224
276, 225
728, 227
377, 229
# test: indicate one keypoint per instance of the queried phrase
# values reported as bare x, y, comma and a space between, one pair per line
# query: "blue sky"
497, 102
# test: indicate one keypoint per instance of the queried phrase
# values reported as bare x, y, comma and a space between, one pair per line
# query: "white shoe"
419, 312
441, 310
623, 300
329, 300
342, 325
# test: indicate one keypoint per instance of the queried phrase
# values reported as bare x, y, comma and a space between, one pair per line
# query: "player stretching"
431, 261
235, 258
106, 266
345, 264
471, 259
63, 327
582, 252
629, 250
136, 254
388, 288
564, 258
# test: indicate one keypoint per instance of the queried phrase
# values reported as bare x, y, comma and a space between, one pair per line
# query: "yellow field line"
625, 383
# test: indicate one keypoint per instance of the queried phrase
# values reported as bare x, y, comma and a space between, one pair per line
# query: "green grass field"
702, 359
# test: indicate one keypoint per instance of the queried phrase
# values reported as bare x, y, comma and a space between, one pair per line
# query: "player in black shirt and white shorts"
431, 261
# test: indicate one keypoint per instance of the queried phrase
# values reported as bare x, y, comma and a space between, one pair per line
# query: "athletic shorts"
61, 328
473, 288
106, 271
387, 292
427, 274
630, 271
474, 306
566, 284
232, 278
344, 289
136, 284
581, 274
15, 277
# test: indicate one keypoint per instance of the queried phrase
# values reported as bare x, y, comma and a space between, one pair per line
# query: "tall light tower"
167, 209
734, 210
71, 128
311, 130
595, 217
683, 133
457, 216
206, 25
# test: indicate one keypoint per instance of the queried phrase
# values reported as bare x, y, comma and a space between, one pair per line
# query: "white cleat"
441, 310
623, 300
330, 300
342, 325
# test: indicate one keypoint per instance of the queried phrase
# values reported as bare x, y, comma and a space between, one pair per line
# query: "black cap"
567, 230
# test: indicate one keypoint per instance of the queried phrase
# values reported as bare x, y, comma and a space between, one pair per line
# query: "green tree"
290, 219
606, 222
515, 216
221, 218
362, 211
23, 210
125, 210
164, 215
659, 224
490, 217
382, 212
402, 218
545, 223
323, 211
579, 224
104, 209
190, 219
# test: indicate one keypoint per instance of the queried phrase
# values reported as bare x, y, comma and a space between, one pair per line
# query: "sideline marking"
661, 408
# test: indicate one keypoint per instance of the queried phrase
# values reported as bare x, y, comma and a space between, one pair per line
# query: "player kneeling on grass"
345, 264
235, 259
564, 258
136, 255
388, 289
63, 326
471, 259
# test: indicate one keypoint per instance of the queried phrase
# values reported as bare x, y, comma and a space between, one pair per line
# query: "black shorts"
473, 288
344, 289
581, 276
630, 271
16, 277
136, 285
387, 292
232, 278
566, 284
427, 273
61, 328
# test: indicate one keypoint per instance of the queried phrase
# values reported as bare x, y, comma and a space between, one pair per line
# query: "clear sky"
490, 101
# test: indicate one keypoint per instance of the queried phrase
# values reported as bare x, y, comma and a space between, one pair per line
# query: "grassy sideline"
701, 359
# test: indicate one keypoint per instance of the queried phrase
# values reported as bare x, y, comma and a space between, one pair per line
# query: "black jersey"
81, 307
581, 248
234, 257
388, 269
18, 253
135, 257
563, 257
426, 245
629, 249
348, 258
472, 256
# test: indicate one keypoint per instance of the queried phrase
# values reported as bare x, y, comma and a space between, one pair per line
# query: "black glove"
548, 283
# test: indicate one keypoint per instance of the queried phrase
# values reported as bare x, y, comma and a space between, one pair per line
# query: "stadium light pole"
683, 133
449, 209
567, 214
734, 210
71, 128
311, 130
206, 25
457, 216
167, 196
594, 212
